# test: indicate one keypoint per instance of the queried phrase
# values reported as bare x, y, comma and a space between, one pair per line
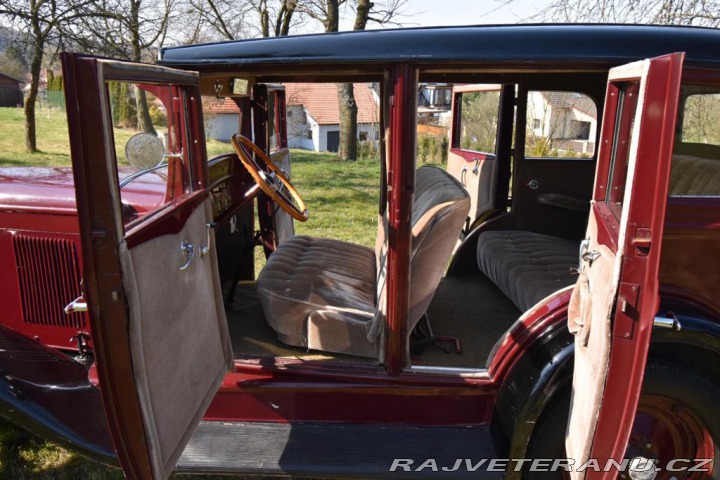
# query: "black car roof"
602, 44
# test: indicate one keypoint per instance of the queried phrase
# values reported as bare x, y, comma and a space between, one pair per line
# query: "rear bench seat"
528, 266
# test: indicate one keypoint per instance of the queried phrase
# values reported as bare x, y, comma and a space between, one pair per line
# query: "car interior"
495, 231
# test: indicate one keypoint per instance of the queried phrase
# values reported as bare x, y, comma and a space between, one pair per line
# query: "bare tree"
131, 30
234, 19
40, 24
328, 13
675, 12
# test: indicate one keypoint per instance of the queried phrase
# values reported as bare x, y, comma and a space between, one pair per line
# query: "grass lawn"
343, 202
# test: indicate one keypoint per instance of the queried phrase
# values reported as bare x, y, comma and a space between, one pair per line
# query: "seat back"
694, 176
440, 207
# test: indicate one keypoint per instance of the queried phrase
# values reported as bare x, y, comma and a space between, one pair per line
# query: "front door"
150, 267
616, 296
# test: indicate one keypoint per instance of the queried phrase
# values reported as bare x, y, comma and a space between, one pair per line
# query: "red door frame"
101, 229
631, 331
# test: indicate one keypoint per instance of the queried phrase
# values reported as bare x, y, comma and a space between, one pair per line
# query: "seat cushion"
526, 266
311, 281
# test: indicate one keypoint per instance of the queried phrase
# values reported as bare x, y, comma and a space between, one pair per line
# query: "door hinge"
641, 242
626, 311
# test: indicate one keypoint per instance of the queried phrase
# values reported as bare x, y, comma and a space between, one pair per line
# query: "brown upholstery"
694, 176
526, 266
322, 294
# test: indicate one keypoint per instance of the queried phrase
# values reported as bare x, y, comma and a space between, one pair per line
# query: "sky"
428, 13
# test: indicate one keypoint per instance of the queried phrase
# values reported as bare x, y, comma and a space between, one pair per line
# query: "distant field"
343, 202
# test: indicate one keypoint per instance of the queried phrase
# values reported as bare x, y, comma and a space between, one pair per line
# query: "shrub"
157, 116
367, 149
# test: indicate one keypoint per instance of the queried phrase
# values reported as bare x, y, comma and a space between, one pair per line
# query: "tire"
694, 399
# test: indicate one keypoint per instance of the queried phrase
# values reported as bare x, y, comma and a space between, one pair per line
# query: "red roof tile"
321, 101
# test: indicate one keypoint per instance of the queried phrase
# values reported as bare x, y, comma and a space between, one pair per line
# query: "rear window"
560, 124
478, 121
701, 116
696, 158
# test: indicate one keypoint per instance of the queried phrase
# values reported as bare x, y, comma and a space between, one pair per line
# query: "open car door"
150, 269
616, 296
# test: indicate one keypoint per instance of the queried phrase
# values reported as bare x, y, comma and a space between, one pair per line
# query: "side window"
620, 153
560, 124
477, 122
150, 145
276, 119
696, 158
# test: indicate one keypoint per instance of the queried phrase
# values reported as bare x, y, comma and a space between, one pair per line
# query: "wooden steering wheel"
270, 178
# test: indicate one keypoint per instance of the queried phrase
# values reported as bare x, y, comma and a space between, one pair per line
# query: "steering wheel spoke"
270, 178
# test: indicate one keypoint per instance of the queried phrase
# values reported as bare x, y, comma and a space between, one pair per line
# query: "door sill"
337, 450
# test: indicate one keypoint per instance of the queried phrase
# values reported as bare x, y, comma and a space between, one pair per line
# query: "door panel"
616, 296
476, 172
175, 394
471, 157
159, 331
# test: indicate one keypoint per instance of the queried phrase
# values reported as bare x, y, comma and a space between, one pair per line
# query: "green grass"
52, 139
343, 201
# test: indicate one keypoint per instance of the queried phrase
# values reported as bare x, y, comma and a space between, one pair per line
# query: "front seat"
322, 294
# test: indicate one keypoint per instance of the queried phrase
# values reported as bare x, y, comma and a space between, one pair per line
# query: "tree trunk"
332, 22
143, 110
346, 97
348, 122
35, 69
282, 26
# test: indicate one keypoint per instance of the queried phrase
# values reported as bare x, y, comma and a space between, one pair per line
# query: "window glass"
478, 121
701, 115
150, 150
620, 153
560, 124
272, 117
695, 168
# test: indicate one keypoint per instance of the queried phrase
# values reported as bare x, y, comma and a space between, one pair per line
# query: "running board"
338, 450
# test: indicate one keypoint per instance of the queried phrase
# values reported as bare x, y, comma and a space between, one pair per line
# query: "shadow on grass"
26, 456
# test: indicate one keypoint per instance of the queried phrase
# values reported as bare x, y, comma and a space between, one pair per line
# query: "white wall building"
313, 116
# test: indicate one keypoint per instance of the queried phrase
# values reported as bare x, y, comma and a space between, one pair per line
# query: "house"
435, 103
567, 119
10, 91
313, 116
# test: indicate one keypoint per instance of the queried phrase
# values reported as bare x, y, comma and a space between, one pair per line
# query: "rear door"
616, 297
471, 158
150, 267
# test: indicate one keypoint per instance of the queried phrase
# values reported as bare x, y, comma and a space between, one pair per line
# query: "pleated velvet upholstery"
526, 266
322, 294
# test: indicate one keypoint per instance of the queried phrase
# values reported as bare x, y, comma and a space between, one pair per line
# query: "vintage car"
554, 293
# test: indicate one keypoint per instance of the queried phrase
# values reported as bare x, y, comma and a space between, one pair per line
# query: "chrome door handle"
77, 305
189, 251
205, 248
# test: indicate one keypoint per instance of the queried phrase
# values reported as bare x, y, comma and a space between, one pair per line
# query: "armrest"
565, 202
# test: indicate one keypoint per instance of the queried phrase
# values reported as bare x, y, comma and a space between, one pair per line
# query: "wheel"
676, 419
271, 179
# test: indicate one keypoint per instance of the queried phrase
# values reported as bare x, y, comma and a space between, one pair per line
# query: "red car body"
82, 392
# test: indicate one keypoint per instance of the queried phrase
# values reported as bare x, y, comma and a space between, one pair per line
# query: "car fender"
49, 394
530, 386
